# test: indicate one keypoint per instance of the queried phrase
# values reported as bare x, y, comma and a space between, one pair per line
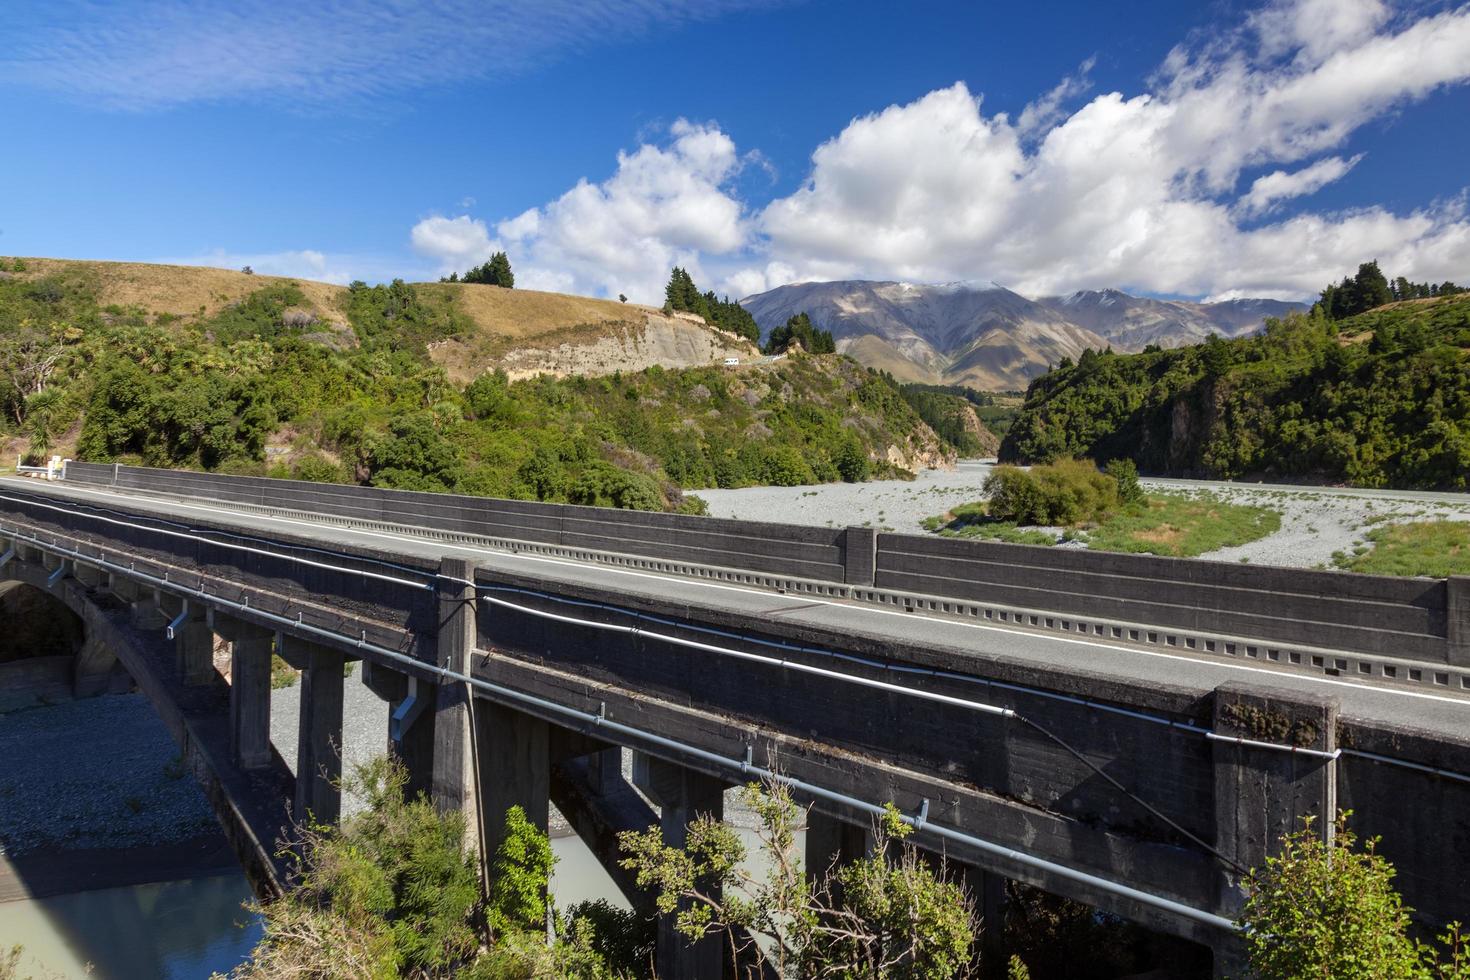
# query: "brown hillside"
183, 290
522, 330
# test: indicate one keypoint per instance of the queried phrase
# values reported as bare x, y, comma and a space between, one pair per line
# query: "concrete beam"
319, 734
832, 841
599, 807
414, 748
988, 891
454, 778
89, 575
250, 689
683, 795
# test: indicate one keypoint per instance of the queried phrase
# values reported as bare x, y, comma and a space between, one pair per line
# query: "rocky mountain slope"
989, 337
1131, 323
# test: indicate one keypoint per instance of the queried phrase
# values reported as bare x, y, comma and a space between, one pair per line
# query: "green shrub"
1124, 473
1063, 493
1329, 909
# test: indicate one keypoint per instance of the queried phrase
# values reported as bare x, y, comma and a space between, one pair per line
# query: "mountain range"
987, 336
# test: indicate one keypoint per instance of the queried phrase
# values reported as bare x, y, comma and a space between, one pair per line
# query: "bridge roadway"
1434, 714
1158, 781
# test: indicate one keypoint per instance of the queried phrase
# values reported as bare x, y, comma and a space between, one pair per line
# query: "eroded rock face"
677, 341
34, 624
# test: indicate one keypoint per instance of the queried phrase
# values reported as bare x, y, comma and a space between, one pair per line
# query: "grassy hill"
225, 371
1381, 399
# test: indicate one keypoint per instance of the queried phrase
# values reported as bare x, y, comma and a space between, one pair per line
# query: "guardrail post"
454, 777
1457, 620
1262, 792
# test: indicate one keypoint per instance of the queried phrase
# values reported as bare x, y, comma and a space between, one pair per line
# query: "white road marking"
987, 627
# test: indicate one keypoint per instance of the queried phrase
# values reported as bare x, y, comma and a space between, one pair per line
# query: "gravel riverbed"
1315, 523
97, 773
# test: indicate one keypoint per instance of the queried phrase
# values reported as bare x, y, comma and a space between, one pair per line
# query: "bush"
1124, 473
1324, 909
1063, 493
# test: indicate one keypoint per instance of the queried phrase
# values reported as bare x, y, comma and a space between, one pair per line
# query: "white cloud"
1138, 190
455, 243
174, 52
1281, 185
1142, 190
665, 205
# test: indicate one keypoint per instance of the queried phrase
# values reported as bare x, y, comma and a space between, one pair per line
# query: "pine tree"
500, 271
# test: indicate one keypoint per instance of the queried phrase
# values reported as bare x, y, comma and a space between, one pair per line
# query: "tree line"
1379, 399
495, 271
1370, 289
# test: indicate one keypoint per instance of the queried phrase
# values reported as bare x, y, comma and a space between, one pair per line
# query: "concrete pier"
683, 795
250, 689
319, 734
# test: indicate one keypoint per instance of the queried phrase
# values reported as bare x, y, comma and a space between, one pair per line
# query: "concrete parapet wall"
1404, 619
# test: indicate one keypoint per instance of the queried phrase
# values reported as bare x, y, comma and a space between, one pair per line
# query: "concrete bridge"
1128, 731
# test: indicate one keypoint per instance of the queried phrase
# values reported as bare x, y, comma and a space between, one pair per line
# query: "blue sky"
1195, 149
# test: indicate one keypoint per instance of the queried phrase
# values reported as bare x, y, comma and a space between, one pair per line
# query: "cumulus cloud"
174, 52
666, 204
1180, 188
1139, 190
455, 243
1279, 185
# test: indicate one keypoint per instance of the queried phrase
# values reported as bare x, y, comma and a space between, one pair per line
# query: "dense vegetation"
495, 271
799, 330
681, 294
1380, 399
367, 405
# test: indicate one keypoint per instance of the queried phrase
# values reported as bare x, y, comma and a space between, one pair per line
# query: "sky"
1208, 149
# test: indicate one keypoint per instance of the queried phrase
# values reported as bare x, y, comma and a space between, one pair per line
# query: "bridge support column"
193, 641
682, 796
830, 840
1262, 794
514, 767
410, 722
988, 890
250, 689
319, 734
454, 777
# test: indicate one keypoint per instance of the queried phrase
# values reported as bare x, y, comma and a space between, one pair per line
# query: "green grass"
1183, 527
1164, 524
1434, 548
971, 521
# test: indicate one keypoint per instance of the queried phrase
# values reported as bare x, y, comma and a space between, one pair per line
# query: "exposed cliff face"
671, 342
989, 441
